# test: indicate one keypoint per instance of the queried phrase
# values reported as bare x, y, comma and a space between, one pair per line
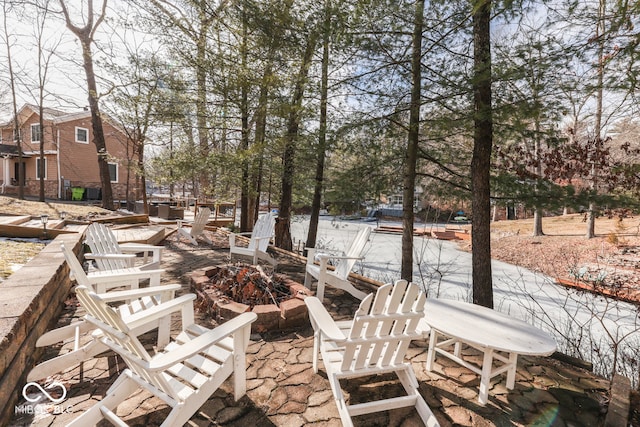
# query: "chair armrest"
232, 237
311, 253
139, 247
329, 256
109, 256
245, 233
57, 335
323, 320
196, 345
161, 310
135, 248
130, 294
119, 275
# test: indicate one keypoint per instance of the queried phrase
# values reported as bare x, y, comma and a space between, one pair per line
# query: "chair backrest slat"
102, 241
384, 326
200, 221
263, 227
344, 266
101, 314
74, 265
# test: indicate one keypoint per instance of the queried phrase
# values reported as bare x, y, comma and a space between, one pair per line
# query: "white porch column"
6, 180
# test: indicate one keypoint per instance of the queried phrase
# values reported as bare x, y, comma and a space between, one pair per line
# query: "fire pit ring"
288, 313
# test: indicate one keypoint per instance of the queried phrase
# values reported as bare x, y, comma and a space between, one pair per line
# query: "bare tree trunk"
283, 224
245, 216
16, 124
85, 36
537, 211
41, 167
261, 126
206, 181
481, 160
413, 138
322, 132
600, 32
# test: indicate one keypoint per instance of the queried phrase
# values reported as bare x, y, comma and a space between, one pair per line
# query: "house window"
38, 168
36, 134
16, 135
113, 172
82, 135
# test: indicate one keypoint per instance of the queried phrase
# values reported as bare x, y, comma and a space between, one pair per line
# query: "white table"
499, 337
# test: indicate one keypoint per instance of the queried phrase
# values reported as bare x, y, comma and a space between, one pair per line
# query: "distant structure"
70, 157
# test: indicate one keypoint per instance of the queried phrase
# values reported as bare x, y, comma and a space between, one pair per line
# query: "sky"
65, 81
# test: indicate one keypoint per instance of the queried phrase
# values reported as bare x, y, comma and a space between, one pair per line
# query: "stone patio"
283, 390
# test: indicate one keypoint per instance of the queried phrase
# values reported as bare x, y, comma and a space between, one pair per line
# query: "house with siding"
70, 156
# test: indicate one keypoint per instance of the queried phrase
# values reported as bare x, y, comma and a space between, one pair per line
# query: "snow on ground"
584, 325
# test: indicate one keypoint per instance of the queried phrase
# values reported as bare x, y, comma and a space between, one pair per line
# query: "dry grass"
564, 249
14, 206
15, 253
570, 225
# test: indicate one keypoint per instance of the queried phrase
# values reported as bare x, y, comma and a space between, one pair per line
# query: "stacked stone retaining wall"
31, 299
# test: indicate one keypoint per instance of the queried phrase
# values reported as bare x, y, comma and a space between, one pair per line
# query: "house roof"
8, 150
58, 116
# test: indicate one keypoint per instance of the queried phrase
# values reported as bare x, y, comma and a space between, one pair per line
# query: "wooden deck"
435, 232
128, 229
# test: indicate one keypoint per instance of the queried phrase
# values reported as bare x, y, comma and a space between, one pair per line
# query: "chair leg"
239, 365
117, 393
320, 290
316, 349
410, 383
431, 354
65, 361
307, 280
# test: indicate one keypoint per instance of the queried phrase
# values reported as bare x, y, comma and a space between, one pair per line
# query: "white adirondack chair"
111, 255
134, 303
375, 342
259, 240
196, 228
338, 277
104, 280
184, 374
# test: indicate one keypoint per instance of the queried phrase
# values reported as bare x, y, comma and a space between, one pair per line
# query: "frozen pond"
584, 325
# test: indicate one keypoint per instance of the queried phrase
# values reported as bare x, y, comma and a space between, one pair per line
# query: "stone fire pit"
229, 290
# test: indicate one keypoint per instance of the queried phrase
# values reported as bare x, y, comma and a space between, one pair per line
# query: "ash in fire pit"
250, 285
227, 291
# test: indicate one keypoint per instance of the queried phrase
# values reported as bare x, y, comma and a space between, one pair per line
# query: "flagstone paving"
283, 390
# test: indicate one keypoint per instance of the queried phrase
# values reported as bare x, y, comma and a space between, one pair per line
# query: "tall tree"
45, 54
413, 140
85, 35
187, 24
600, 40
528, 108
246, 216
321, 147
283, 224
14, 101
481, 160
